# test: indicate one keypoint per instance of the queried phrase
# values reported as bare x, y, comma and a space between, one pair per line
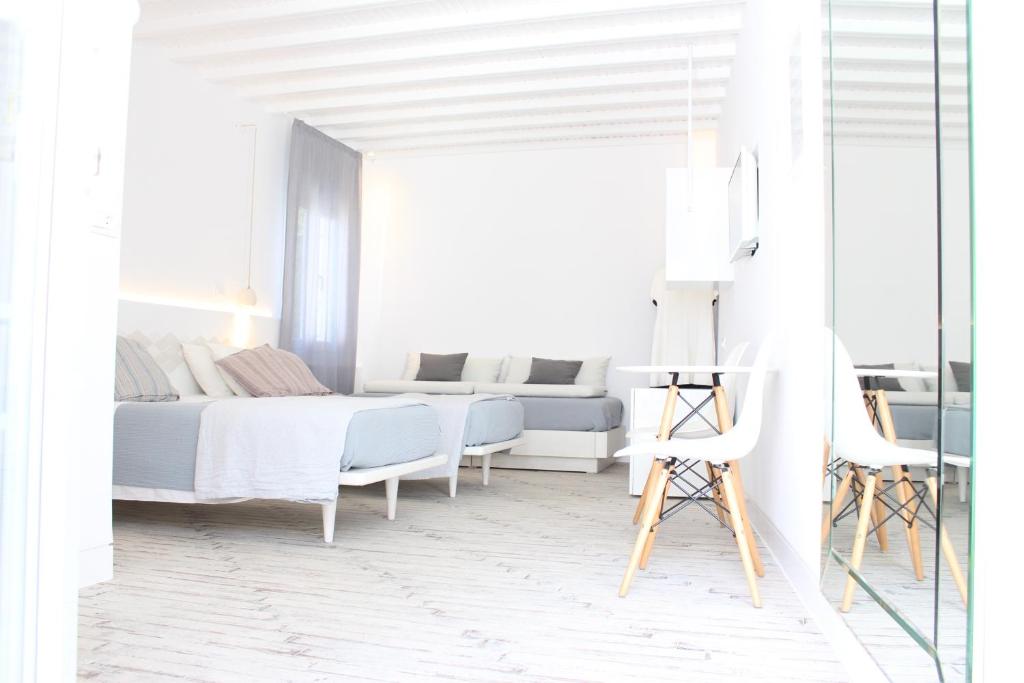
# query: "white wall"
776, 81
546, 252
886, 251
186, 209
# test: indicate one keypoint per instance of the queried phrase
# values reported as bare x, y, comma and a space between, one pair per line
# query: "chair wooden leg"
649, 544
947, 546
748, 530
905, 492
732, 497
824, 460
652, 479
860, 540
877, 513
837, 503
647, 519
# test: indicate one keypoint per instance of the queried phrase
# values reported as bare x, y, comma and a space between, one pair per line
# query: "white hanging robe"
683, 328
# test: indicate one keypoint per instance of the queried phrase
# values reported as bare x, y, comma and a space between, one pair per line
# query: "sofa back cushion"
476, 369
593, 372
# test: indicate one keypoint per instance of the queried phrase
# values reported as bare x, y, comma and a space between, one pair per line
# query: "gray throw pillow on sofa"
441, 367
886, 383
962, 374
546, 371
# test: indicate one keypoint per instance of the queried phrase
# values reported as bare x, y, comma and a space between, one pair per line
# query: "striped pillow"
137, 377
265, 371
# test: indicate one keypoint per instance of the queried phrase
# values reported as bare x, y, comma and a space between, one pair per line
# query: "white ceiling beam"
897, 116
163, 18
620, 82
454, 47
896, 57
558, 102
529, 66
904, 30
896, 99
530, 121
524, 14
594, 133
888, 79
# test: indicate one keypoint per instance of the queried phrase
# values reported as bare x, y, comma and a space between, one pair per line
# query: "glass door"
896, 512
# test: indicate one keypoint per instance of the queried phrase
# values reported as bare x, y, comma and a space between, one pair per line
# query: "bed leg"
391, 491
453, 483
485, 468
329, 510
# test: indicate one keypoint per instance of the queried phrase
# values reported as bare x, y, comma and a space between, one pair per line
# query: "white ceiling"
422, 76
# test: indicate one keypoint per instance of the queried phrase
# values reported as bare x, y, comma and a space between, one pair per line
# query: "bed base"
563, 451
485, 453
389, 474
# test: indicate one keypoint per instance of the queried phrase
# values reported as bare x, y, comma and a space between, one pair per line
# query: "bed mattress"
155, 443
493, 421
572, 414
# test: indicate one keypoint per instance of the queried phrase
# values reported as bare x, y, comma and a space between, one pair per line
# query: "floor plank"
516, 581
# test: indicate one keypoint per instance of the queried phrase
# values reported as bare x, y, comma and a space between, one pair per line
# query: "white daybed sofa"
569, 427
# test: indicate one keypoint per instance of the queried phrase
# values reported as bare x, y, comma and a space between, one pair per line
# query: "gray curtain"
321, 268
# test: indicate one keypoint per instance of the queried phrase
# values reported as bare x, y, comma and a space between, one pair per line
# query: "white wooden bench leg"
329, 510
486, 468
391, 491
453, 483
961, 483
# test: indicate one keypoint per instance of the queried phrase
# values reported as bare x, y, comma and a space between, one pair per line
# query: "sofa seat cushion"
542, 390
412, 386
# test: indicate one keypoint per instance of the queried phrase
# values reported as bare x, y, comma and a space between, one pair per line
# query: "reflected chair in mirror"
675, 457
856, 442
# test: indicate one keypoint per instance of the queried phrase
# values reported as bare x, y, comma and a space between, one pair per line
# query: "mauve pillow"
547, 371
441, 368
265, 371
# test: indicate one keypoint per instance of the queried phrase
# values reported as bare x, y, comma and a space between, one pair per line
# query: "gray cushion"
962, 374
137, 377
886, 383
547, 371
441, 368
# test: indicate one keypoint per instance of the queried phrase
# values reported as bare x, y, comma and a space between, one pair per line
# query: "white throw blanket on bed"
452, 412
286, 448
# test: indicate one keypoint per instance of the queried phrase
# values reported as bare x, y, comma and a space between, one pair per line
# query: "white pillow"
221, 351
593, 372
200, 361
475, 369
915, 384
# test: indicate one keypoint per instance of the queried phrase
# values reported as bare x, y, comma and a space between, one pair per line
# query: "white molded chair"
854, 439
721, 451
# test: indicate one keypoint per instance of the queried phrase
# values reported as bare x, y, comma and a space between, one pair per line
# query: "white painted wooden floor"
513, 582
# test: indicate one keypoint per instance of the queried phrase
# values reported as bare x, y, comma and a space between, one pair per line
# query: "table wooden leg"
649, 544
905, 489
947, 546
647, 519
668, 412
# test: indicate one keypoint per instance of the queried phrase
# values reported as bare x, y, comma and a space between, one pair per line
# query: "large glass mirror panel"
897, 496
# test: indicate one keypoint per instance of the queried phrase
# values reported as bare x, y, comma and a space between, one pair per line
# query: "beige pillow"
265, 371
